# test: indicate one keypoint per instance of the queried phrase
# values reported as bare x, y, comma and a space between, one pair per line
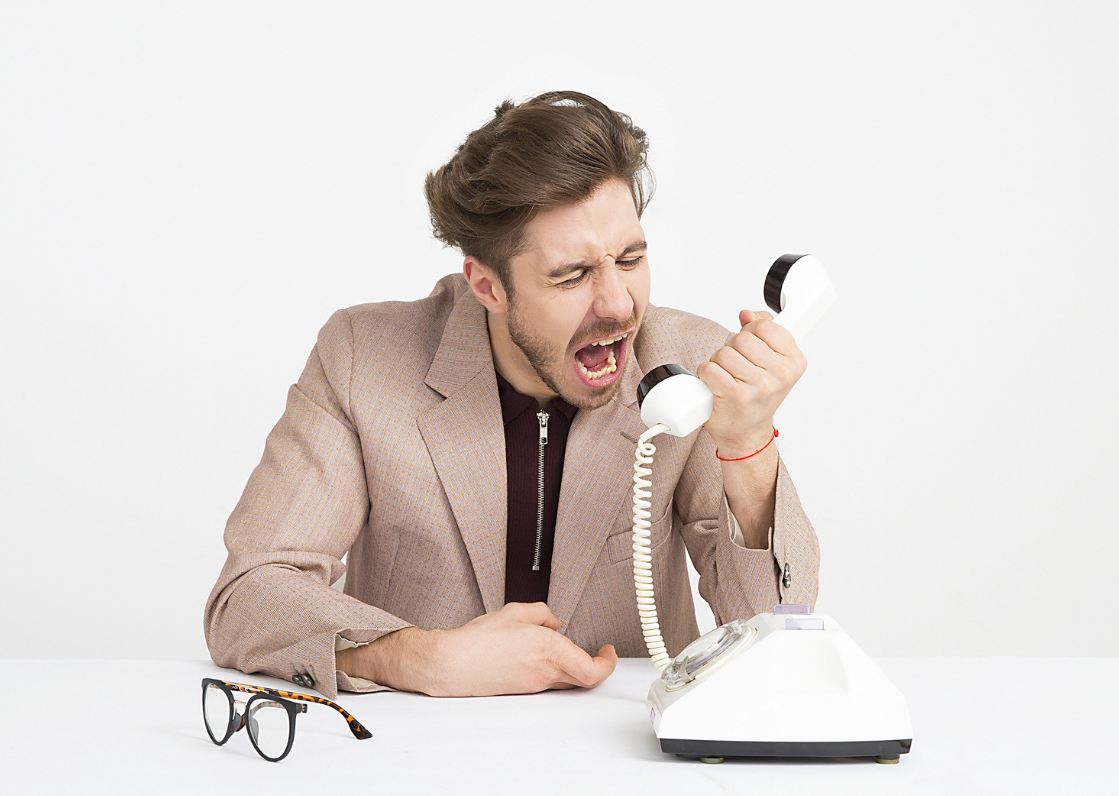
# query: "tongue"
593, 357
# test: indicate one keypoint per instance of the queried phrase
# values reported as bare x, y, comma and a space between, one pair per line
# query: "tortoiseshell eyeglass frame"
293, 710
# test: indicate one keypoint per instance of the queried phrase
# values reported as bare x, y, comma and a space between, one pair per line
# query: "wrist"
401, 660
746, 447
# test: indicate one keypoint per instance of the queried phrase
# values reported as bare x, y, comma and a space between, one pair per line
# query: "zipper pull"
542, 416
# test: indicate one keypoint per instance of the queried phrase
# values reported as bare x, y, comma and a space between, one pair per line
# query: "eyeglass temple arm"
355, 726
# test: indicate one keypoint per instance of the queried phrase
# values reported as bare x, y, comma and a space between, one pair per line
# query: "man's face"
580, 293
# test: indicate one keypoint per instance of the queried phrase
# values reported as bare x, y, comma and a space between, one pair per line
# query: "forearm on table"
400, 660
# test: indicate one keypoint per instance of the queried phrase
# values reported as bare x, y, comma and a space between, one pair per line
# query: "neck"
512, 364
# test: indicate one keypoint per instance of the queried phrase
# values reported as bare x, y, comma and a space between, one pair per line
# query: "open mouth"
599, 363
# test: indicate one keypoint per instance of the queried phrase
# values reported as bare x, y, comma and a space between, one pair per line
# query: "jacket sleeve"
739, 582
273, 609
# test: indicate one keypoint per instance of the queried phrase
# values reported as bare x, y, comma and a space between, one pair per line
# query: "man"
472, 451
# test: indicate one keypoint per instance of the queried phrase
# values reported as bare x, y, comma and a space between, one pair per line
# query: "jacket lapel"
466, 440
598, 466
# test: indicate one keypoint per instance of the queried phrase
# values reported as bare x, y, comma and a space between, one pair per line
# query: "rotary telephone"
789, 683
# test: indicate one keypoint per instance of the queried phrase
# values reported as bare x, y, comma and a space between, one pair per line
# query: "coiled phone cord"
642, 556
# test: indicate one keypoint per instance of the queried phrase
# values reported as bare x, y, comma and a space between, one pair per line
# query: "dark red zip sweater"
520, 414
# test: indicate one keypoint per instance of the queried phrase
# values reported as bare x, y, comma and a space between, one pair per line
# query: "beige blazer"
392, 449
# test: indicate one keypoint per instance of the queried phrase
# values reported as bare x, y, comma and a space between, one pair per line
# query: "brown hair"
554, 149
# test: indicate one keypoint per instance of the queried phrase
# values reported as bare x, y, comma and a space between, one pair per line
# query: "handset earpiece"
671, 395
800, 296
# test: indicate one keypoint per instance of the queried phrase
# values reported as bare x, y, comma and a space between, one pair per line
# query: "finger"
775, 337
547, 618
752, 362
605, 662
581, 669
718, 380
748, 360
534, 614
746, 317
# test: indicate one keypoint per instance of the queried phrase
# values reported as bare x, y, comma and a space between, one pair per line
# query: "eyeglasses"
268, 714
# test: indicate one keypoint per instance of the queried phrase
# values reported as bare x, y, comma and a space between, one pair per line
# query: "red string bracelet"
776, 434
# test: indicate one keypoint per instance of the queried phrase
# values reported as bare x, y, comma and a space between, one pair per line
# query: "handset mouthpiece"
799, 290
680, 401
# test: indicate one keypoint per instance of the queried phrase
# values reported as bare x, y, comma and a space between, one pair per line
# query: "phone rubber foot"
711, 760
888, 761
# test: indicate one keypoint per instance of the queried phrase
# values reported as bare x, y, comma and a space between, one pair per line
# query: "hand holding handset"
675, 402
800, 296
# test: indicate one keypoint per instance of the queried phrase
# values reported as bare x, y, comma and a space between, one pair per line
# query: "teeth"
612, 339
610, 366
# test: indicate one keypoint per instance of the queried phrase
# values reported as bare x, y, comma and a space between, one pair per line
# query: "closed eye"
574, 280
625, 264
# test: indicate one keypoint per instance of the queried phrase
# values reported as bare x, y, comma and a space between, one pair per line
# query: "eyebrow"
567, 268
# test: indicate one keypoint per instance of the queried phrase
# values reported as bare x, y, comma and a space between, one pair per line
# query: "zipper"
541, 416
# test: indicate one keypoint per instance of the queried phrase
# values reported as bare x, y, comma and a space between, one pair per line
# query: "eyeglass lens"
217, 709
269, 724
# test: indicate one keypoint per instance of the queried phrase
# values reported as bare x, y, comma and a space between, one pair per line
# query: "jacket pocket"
619, 545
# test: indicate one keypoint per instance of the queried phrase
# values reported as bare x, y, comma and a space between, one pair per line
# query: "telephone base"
784, 684
695, 750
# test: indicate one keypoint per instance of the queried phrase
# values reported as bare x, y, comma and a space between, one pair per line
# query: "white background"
188, 191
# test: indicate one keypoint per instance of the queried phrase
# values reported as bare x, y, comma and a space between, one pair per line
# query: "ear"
487, 288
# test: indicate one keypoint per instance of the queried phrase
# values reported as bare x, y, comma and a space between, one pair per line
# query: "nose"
612, 299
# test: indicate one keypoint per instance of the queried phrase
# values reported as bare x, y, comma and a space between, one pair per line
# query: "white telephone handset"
784, 684
800, 296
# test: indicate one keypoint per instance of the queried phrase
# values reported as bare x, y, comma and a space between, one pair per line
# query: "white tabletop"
981, 725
